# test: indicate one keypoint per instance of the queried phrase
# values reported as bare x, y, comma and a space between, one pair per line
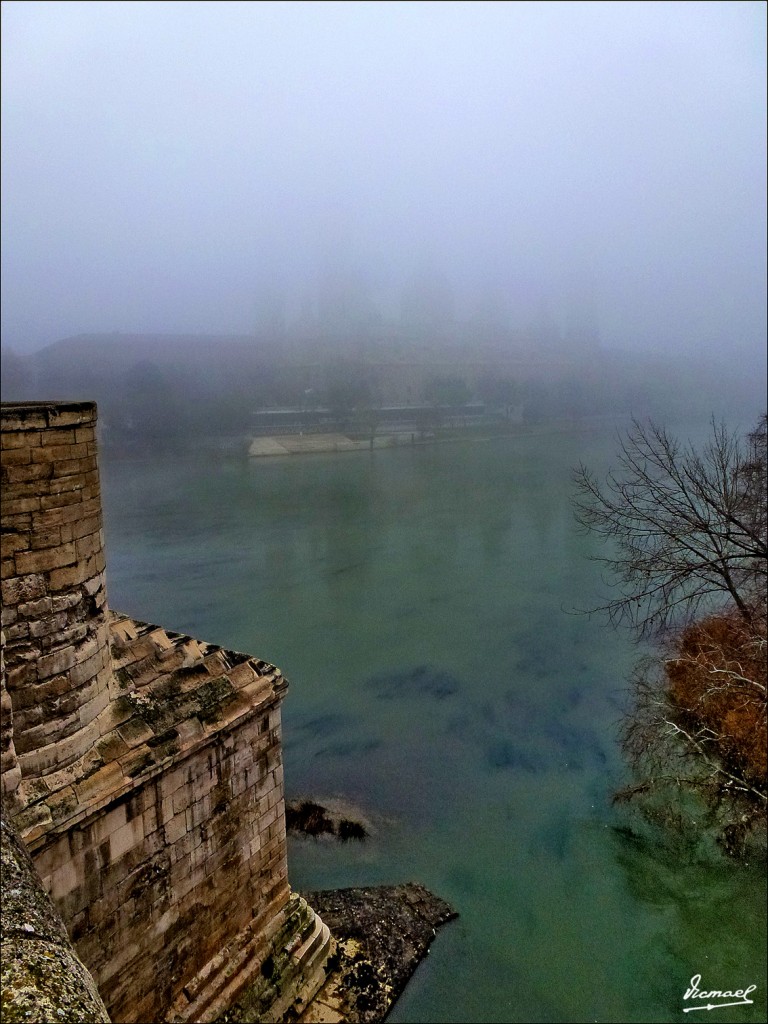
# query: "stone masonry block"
84, 414
165, 810
47, 626
47, 518
61, 436
62, 803
22, 439
181, 799
181, 849
63, 451
31, 471
19, 631
16, 456
92, 585
22, 588
51, 558
35, 609
100, 784
64, 496
87, 525
135, 731
37, 694
63, 880
70, 635
87, 546
126, 838
82, 464
10, 543
57, 662
51, 538
21, 652
63, 602
172, 780
21, 504
89, 666
105, 824
149, 820
36, 728
175, 828
88, 711
28, 489
66, 578
62, 485
111, 746
21, 678
25, 419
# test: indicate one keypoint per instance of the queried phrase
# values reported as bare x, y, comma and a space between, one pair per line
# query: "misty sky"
176, 167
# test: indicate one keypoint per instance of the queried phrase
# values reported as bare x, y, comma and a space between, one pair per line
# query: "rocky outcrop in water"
383, 933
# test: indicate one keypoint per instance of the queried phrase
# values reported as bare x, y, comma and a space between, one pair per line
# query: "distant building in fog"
582, 326
427, 307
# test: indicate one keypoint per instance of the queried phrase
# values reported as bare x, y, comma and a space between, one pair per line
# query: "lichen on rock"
43, 980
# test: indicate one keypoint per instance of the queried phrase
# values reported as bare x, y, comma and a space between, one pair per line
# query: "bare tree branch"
686, 538
686, 530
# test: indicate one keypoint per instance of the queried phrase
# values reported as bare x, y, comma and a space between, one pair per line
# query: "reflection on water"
421, 604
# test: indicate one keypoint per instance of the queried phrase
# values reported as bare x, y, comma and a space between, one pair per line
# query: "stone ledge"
18, 416
177, 693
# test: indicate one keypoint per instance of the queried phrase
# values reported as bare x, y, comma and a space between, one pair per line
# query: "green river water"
421, 603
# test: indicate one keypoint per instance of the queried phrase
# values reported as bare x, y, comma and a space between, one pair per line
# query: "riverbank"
274, 445
307, 444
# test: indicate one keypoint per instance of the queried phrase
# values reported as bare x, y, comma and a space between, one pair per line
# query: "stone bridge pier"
142, 768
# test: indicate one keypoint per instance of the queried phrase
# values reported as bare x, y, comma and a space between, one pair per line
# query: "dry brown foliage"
717, 694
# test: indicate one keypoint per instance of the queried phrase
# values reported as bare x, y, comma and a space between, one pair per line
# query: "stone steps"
289, 958
305, 973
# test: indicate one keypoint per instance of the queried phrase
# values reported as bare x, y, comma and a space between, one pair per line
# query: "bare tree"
687, 529
689, 555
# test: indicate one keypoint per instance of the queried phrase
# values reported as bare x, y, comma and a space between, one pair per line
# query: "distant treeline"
174, 391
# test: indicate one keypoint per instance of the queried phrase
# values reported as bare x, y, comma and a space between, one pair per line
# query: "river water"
423, 604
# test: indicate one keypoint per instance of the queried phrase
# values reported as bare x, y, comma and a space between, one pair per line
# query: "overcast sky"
168, 165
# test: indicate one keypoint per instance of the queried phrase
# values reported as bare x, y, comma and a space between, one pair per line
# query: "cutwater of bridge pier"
142, 770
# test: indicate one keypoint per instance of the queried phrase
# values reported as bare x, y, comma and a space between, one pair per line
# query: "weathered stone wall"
157, 884
53, 593
10, 773
142, 767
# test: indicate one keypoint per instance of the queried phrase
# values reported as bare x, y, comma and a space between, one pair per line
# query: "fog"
274, 168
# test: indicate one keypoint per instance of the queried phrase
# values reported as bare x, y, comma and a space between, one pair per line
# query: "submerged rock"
332, 818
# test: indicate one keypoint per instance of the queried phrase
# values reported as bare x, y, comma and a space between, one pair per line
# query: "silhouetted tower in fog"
582, 332
344, 305
427, 307
545, 331
270, 314
490, 317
